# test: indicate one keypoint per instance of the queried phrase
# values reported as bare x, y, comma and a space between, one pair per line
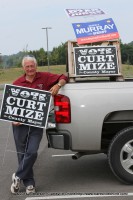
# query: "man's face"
29, 68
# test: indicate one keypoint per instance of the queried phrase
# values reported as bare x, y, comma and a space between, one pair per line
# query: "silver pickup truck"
95, 115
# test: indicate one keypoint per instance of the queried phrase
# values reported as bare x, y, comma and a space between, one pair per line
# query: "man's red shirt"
42, 81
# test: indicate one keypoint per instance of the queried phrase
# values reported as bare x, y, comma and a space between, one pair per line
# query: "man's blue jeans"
27, 140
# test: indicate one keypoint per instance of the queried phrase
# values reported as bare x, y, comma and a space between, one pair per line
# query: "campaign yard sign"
95, 31
84, 12
95, 61
25, 105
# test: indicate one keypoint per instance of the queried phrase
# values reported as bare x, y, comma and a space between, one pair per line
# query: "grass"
8, 75
127, 71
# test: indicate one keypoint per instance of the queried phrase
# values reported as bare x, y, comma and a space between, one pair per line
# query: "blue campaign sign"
95, 31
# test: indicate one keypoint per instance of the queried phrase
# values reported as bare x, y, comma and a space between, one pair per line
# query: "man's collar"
23, 78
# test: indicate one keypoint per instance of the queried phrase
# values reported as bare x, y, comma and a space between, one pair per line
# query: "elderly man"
27, 138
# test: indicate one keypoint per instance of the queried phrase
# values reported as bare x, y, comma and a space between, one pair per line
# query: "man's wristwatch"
59, 85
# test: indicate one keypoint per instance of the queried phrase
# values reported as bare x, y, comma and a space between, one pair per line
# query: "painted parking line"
76, 196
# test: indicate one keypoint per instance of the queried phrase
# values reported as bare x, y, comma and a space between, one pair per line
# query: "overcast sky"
21, 22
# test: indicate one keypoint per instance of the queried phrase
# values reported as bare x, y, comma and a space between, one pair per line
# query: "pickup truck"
96, 116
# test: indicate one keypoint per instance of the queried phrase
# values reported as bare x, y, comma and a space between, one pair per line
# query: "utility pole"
0, 60
46, 28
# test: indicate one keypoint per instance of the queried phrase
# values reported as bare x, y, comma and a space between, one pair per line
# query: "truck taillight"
62, 109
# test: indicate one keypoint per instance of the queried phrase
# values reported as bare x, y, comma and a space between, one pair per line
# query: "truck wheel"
120, 155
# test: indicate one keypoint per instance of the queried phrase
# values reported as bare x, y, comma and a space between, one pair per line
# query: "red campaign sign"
103, 37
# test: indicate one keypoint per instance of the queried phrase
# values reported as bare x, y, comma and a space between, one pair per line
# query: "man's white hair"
28, 57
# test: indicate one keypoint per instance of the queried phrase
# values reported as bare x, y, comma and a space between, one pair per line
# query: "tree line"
58, 56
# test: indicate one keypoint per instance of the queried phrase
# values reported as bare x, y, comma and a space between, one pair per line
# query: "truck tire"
120, 155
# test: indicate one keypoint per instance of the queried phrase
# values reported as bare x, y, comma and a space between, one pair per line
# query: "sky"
21, 22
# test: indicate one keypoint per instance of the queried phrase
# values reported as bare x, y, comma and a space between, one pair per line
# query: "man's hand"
16, 123
54, 90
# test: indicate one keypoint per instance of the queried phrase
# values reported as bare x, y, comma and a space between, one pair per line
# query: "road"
58, 176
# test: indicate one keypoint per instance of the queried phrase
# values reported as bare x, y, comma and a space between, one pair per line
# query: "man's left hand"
54, 90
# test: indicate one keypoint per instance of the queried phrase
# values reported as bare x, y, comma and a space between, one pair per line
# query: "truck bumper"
58, 139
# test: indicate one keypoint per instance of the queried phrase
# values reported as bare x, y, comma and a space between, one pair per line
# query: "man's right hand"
16, 123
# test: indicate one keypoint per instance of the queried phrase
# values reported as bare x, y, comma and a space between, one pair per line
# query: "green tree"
58, 55
1, 61
127, 53
42, 57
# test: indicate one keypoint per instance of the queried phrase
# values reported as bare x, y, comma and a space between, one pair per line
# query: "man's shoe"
30, 189
15, 184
